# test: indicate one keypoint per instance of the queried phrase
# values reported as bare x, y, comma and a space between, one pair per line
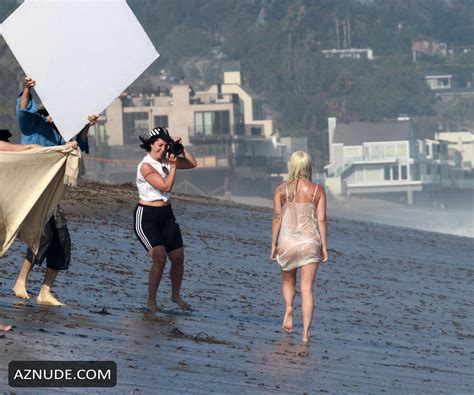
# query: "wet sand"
393, 306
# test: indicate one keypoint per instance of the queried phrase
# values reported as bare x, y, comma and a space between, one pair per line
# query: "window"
212, 122
402, 150
255, 131
160, 120
395, 172
257, 109
404, 172
428, 169
353, 151
134, 124
386, 173
443, 82
373, 175
427, 150
390, 151
359, 175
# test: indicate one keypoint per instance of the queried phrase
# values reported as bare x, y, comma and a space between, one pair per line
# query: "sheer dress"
299, 242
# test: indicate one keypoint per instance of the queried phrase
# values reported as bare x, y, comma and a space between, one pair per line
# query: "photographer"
154, 222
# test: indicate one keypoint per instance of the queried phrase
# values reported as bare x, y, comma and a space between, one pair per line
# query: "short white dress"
299, 242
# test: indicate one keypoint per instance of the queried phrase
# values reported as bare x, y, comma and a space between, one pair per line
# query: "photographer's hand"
173, 159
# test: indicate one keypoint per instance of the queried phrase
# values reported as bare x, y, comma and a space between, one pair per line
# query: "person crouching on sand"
154, 222
299, 234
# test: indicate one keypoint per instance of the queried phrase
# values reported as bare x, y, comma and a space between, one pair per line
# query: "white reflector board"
82, 54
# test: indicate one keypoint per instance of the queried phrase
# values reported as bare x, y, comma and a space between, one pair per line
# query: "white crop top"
146, 191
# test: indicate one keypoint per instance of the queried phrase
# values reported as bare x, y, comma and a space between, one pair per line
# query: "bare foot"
305, 339
181, 303
47, 298
20, 290
152, 307
288, 320
5, 328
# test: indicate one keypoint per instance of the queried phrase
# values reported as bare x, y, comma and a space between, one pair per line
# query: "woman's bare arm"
156, 180
322, 223
187, 162
276, 223
4, 146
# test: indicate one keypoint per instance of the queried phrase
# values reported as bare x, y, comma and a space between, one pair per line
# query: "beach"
393, 307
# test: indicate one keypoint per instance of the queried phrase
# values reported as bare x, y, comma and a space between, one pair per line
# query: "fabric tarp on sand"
31, 186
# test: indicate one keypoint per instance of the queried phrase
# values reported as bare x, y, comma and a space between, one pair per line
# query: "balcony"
196, 136
227, 134
145, 100
210, 98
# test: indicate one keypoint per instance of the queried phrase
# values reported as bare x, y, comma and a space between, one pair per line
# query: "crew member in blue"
37, 127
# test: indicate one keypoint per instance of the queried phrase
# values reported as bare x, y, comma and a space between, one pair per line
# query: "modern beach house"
383, 158
235, 144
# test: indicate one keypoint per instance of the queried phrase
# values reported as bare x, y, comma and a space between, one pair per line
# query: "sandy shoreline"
393, 308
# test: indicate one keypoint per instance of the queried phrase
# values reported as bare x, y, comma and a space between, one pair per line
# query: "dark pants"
55, 244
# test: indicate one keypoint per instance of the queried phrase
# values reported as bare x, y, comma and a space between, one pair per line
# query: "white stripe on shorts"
138, 228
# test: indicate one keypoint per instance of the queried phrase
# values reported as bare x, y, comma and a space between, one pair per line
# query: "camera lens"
175, 148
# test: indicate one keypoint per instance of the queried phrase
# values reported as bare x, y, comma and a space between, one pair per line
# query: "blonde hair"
299, 166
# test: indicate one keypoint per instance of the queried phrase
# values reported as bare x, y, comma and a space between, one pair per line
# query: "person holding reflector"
5, 145
37, 127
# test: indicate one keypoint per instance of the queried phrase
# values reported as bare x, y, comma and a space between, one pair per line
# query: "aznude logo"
62, 374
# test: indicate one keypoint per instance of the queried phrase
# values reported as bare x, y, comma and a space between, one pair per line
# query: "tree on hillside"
388, 90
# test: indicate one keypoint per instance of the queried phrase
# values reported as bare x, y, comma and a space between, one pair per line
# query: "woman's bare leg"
20, 286
288, 290
176, 276
158, 256
308, 275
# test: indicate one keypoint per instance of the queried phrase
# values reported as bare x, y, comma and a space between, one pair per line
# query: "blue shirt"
35, 128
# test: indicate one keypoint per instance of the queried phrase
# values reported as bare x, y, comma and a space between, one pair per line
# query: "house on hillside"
448, 86
383, 158
428, 47
438, 81
233, 141
349, 53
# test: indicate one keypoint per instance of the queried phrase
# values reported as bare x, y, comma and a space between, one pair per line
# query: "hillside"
279, 45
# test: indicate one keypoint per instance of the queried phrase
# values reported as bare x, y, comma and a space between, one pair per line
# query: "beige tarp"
31, 185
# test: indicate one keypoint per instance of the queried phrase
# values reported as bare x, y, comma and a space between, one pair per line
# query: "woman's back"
299, 241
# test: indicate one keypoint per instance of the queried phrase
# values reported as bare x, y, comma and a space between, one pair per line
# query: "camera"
174, 148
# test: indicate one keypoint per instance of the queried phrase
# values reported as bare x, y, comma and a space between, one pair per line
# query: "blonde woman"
299, 235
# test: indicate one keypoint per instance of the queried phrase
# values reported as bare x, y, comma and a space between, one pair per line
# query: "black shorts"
155, 226
55, 244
